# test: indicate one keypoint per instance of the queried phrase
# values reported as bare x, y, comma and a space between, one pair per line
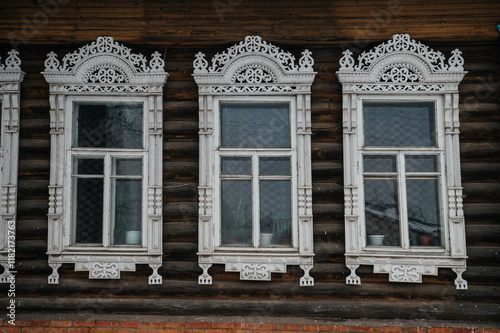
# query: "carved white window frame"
11, 77
404, 70
256, 71
106, 71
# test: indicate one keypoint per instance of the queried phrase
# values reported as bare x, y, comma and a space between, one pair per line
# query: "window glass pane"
232, 165
379, 163
382, 212
274, 166
88, 166
128, 166
423, 212
88, 207
127, 211
108, 125
396, 124
275, 212
236, 223
419, 163
255, 125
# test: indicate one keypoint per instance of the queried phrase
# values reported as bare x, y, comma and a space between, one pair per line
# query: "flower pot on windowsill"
425, 240
266, 239
133, 237
376, 240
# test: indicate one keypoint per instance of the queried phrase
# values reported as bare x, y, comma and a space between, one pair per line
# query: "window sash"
257, 180
255, 153
108, 194
402, 175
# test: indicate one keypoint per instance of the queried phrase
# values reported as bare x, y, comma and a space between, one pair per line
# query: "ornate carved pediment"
104, 62
253, 61
401, 60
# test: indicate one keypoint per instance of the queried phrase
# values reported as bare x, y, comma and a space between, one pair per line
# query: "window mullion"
107, 202
403, 213
256, 200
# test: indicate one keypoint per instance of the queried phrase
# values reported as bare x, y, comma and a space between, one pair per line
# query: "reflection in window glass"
275, 212
397, 124
236, 212
126, 187
274, 166
379, 163
255, 125
108, 125
88, 189
382, 212
421, 163
423, 212
235, 165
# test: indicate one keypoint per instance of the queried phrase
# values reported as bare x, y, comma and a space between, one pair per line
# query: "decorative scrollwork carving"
405, 273
252, 89
398, 87
255, 272
105, 74
107, 89
254, 74
105, 270
12, 62
402, 43
104, 45
200, 64
251, 44
347, 61
400, 73
306, 62
456, 60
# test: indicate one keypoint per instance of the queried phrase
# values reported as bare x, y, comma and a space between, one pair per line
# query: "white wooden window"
11, 77
256, 182
255, 210
403, 194
105, 191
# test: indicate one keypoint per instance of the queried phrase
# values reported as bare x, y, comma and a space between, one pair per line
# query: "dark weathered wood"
326, 28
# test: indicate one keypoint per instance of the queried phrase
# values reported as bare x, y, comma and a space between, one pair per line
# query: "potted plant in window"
267, 226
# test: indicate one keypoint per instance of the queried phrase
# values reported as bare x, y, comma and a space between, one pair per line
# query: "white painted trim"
11, 77
255, 71
403, 70
104, 71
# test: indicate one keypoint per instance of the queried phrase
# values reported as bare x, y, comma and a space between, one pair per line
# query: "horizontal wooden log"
335, 309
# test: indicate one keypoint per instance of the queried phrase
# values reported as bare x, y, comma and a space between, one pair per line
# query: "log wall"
182, 28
